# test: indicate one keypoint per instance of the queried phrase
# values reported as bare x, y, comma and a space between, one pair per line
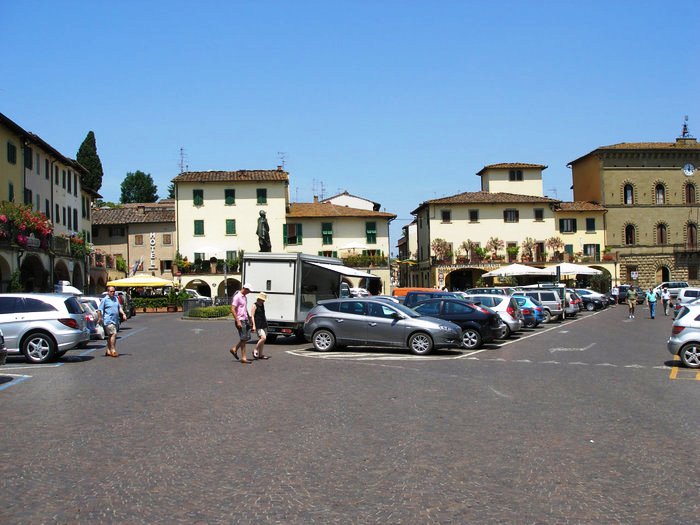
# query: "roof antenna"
282, 158
684, 133
554, 191
183, 167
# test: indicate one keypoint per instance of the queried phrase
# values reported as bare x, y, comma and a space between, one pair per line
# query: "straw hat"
262, 296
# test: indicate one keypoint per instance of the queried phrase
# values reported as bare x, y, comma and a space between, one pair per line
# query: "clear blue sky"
395, 101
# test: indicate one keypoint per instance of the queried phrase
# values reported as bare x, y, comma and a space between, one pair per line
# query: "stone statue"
264, 233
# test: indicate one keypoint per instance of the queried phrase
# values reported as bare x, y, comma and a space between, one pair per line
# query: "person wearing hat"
239, 310
259, 324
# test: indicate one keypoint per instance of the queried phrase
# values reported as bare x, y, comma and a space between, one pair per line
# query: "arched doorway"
663, 273
5, 273
228, 287
78, 280
200, 286
60, 271
33, 275
463, 279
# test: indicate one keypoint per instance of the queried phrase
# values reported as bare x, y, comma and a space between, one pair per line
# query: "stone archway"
463, 278
228, 287
33, 275
663, 274
60, 271
5, 274
200, 286
78, 281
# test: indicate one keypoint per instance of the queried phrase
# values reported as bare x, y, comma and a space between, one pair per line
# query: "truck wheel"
323, 340
420, 343
271, 338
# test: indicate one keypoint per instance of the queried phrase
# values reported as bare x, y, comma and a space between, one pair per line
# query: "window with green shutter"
11, 153
199, 227
590, 224
292, 233
230, 197
261, 195
371, 232
198, 197
198, 256
230, 226
327, 232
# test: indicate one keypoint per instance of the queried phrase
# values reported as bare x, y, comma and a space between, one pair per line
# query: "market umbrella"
515, 269
140, 280
353, 245
572, 269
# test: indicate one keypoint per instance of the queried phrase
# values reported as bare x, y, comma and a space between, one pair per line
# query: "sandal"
234, 354
246, 362
262, 357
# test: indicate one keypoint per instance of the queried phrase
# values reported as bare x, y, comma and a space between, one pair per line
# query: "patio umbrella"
515, 269
572, 269
140, 280
353, 245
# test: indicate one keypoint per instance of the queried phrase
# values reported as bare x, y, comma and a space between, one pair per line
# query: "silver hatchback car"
336, 323
685, 336
41, 326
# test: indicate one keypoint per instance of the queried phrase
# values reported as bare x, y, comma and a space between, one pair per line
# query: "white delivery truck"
294, 283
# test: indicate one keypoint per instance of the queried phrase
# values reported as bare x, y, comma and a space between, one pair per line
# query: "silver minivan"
550, 299
41, 326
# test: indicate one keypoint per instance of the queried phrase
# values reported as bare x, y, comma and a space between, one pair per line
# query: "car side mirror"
396, 316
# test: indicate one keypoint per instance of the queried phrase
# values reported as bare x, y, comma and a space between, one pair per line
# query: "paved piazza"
585, 421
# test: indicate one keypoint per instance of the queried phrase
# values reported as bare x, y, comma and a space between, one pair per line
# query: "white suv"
41, 326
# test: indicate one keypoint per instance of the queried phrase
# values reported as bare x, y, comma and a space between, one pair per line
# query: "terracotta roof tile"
233, 176
511, 166
486, 197
130, 214
581, 206
680, 144
328, 209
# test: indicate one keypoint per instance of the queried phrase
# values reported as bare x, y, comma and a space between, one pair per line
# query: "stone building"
650, 192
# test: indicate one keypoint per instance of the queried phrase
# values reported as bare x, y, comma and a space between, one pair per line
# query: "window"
55, 176
446, 215
230, 226
75, 218
28, 158
198, 256
592, 250
38, 164
70, 182
692, 236
630, 234
116, 231
473, 215
690, 193
661, 234
628, 193
590, 224
166, 266
229, 197
57, 215
47, 170
63, 183
47, 208
95, 231
327, 232
261, 194
28, 194
567, 225
660, 194
10, 192
292, 234
38, 202
371, 232
198, 197
64, 215
199, 227
82, 206
328, 253
692, 272
539, 214
515, 175
511, 215
167, 239
11, 153
75, 184
138, 240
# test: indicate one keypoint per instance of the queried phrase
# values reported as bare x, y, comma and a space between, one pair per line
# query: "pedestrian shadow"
75, 358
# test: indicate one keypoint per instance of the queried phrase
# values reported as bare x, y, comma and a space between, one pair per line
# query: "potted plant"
493, 245
512, 253
528, 246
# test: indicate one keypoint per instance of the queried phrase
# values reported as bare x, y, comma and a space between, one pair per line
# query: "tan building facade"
650, 192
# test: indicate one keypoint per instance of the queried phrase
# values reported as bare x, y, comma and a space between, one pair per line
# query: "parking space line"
685, 373
18, 378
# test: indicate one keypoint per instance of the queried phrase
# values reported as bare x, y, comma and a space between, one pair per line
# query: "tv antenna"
554, 192
183, 166
282, 158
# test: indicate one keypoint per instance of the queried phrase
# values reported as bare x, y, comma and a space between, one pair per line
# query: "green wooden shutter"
284, 234
299, 238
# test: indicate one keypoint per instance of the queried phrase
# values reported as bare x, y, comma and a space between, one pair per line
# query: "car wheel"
530, 324
690, 355
38, 348
323, 340
420, 343
505, 332
471, 338
547, 316
590, 307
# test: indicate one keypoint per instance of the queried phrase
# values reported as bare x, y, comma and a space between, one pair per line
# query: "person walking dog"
257, 312
239, 310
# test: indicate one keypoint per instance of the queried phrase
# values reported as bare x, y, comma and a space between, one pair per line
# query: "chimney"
315, 199
279, 168
141, 209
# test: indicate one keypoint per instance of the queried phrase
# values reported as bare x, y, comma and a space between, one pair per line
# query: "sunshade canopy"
353, 245
343, 270
515, 269
140, 280
572, 269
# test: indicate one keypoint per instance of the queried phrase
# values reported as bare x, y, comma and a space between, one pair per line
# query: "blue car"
532, 310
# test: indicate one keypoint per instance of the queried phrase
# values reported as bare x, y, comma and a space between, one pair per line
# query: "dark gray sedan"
337, 323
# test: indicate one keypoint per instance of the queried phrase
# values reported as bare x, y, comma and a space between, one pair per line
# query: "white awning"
343, 270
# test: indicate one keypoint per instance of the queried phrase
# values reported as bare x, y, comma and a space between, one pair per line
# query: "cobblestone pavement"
579, 422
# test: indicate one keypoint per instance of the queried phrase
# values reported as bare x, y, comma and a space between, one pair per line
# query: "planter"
171, 308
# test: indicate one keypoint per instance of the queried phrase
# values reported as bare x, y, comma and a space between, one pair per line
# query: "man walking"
665, 299
650, 299
239, 310
112, 314
631, 300
614, 293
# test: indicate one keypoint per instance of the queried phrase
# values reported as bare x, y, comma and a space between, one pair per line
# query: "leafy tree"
171, 191
88, 157
138, 187
99, 203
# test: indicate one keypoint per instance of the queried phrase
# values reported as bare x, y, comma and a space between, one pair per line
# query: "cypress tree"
88, 157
